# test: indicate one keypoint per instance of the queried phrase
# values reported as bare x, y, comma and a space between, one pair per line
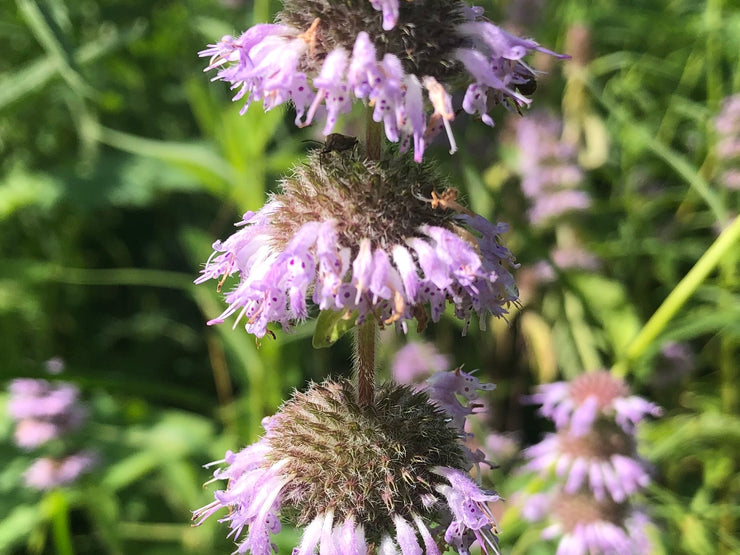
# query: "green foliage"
121, 165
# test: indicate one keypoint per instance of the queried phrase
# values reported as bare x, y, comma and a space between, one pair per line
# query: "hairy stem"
366, 334
373, 136
365, 362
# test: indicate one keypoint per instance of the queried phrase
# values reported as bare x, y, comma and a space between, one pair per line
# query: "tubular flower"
398, 482
347, 232
594, 462
322, 56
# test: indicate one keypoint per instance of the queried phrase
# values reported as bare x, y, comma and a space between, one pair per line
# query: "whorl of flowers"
349, 233
322, 56
43, 411
549, 170
398, 480
593, 459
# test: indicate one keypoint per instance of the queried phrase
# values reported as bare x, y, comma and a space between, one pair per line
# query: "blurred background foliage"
121, 164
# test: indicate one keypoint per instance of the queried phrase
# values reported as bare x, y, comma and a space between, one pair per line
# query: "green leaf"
17, 524
608, 302
22, 188
330, 326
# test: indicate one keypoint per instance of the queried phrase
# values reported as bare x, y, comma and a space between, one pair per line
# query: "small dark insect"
528, 87
336, 142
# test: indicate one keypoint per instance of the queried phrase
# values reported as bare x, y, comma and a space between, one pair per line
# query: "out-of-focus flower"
566, 258
550, 174
43, 410
416, 361
46, 473
593, 459
348, 230
55, 365
584, 526
501, 448
727, 124
392, 475
675, 361
577, 404
321, 56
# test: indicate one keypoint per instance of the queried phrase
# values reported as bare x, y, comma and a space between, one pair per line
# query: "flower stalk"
365, 340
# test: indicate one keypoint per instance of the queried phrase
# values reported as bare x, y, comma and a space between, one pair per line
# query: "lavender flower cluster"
43, 412
321, 72
727, 125
403, 456
549, 169
593, 460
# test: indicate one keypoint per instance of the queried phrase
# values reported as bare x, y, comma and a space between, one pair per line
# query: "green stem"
60, 523
373, 136
365, 362
365, 337
728, 239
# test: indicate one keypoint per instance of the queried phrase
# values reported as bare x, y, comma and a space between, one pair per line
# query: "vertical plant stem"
365, 362
366, 334
60, 523
373, 136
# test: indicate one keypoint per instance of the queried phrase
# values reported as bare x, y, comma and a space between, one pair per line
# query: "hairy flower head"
322, 55
389, 477
355, 237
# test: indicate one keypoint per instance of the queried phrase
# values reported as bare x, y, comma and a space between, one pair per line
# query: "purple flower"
390, 12
549, 170
351, 253
416, 361
582, 526
46, 473
727, 125
446, 388
577, 404
593, 464
325, 61
43, 411
396, 479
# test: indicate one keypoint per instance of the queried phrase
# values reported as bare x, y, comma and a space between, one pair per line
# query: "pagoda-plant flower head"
352, 236
322, 56
592, 465
580, 524
390, 478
